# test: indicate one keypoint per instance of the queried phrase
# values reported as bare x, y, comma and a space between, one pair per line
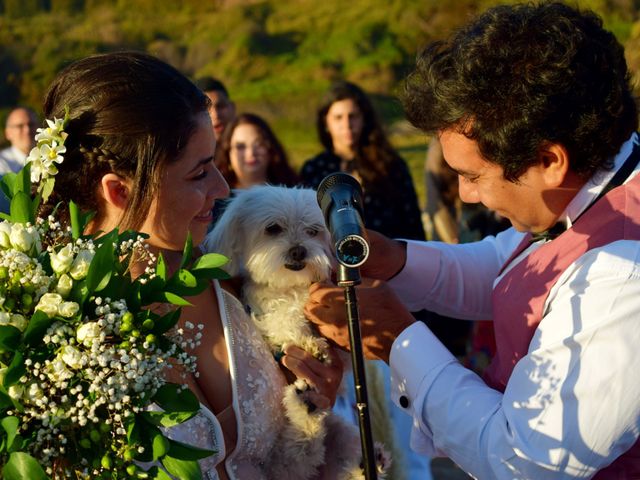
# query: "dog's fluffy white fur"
276, 240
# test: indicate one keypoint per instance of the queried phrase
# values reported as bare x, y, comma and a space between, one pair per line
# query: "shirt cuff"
416, 358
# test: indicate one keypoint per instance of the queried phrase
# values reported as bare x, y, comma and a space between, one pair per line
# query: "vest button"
404, 402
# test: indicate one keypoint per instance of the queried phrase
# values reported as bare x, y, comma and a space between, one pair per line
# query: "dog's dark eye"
273, 229
312, 232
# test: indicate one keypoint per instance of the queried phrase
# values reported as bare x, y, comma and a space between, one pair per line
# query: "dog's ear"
226, 237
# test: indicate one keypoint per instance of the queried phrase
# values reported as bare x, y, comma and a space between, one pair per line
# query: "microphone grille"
334, 179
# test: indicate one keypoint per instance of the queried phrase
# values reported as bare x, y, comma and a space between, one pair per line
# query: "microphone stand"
349, 277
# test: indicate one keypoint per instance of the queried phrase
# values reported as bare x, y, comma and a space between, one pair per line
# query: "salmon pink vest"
519, 297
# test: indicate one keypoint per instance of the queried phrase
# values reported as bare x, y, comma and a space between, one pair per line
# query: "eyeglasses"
20, 126
255, 146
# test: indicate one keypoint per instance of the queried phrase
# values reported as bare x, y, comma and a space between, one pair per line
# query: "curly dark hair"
374, 154
279, 171
130, 114
524, 75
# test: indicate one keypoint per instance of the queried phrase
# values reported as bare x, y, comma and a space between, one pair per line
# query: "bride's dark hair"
130, 114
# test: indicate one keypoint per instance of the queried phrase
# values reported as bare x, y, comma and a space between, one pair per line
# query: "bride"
140, 154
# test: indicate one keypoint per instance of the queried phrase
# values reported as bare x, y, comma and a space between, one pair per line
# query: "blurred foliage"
276, 56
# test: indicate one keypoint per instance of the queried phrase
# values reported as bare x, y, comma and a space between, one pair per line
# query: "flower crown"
48, 152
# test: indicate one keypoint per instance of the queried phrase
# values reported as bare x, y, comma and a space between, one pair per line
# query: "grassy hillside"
277, 56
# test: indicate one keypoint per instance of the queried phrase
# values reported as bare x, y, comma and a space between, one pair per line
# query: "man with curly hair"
533, 107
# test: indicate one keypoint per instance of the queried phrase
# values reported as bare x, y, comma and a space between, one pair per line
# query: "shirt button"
404, 402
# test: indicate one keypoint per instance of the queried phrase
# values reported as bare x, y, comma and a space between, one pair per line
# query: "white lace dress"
257, 391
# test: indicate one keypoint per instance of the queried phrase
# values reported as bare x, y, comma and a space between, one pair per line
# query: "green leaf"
46, 188
79, 292
160, 445
133, 432
74, 214
35, 204
7, 184
187, 251
150, 289
185, 278
144, 433
210, 274
22, 466
161, 268
166, 322
174, 398
9, 338
168, 419
5, 400
183, 451
174, 299
156, 473
21, 208
210, 260
37, 327
134, 300
10, 425
101, 266
182, 469
15, 371
23, 180
184, 283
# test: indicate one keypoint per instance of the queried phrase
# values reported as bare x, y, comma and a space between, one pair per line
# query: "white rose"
49, 303
15, 392
71, 356
59, 371
80, 266
24, 239
18, 321
64, 285
88, 333
5, 318
62, 260
68, 309
5, 233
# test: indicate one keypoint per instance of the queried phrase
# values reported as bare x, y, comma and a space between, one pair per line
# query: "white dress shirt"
11, 160
572, 404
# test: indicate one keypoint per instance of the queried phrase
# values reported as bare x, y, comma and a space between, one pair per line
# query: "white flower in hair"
49, 150
43, 159
55, 131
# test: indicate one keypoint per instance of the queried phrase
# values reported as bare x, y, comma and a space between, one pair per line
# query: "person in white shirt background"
19, 130
534, 110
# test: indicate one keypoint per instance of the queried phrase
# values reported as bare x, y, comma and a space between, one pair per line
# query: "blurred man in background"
222, 110
19, 130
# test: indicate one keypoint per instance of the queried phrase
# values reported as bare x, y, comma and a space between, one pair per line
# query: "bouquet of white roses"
81, 355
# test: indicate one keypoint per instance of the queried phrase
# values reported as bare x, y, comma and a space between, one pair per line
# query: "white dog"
276, 240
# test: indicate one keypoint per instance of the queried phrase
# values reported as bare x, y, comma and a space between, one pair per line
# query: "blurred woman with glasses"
250, 154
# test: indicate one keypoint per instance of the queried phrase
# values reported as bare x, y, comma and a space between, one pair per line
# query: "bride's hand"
325, 378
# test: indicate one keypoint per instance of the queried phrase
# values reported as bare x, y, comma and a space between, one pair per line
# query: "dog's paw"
303, 414
383, 459
316, 346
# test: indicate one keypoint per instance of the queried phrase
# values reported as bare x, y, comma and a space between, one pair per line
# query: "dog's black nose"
298, 253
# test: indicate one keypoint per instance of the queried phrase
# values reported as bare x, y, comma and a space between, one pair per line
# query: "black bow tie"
550, 234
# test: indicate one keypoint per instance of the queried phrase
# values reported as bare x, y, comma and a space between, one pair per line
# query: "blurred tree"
9, 88
67, 6
24, 8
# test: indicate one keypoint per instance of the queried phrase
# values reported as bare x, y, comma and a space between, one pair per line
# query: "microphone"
340, 199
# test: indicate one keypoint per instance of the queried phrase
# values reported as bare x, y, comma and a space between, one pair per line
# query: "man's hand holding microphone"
382, 315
